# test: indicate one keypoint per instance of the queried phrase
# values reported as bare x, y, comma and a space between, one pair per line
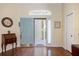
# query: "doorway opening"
35, 31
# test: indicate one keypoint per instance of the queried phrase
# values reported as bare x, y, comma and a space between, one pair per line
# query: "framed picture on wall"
57, 24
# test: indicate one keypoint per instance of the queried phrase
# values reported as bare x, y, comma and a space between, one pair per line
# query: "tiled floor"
37, 51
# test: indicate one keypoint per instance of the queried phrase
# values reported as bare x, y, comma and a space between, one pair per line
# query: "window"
40, 12
49, 31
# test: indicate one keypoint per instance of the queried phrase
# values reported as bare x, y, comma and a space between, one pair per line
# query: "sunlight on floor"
40, 51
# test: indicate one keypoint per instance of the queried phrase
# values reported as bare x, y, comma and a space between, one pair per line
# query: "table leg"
5, 48
12, 45
2, 49
13, 49
16, 44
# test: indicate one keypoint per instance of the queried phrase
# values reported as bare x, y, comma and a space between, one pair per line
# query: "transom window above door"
40, 12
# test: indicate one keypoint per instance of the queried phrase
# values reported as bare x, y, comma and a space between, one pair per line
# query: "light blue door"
27, 30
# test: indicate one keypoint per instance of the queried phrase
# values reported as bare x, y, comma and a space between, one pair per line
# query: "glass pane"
49, 31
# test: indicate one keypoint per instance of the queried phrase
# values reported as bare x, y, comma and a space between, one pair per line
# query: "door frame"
65, 32
46, 28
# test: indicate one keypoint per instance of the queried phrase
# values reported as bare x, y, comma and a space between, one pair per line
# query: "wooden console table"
8, 39
75, 50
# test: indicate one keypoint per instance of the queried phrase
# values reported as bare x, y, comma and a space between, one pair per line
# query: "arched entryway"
37, 28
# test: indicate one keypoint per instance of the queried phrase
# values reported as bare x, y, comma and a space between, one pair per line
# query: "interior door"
27, 31
69, 31
40, 32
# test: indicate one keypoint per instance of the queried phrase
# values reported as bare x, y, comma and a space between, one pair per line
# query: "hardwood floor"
37, 51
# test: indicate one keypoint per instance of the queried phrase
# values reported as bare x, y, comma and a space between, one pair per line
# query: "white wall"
15, 11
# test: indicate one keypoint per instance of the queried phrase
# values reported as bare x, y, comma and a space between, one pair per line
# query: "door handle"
71, 35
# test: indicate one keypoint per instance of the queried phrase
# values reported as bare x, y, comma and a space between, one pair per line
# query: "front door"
27, 31
40, 31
